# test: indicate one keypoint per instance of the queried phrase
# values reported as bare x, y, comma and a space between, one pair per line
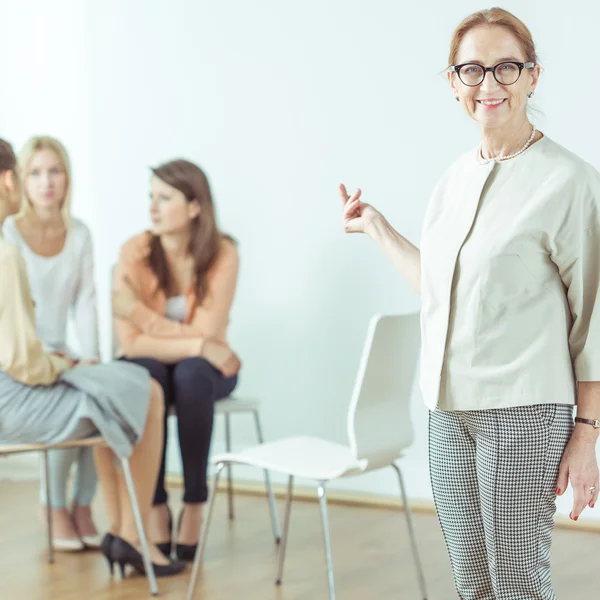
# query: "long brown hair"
205, 239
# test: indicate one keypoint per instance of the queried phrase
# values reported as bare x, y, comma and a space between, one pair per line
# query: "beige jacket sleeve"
580, 271
21, 354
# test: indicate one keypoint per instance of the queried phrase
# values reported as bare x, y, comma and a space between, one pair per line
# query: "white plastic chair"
8, 449
227, 407
379, 430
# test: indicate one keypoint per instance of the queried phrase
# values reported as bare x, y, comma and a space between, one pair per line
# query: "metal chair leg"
48, 509
411, 532
229, 467
140, 527
286, 529
204, 533
270, 494
325, 519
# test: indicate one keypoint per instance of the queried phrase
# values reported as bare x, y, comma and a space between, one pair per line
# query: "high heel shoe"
106, 549
125, 554
184, 552
67, 544
167, 547
91, 542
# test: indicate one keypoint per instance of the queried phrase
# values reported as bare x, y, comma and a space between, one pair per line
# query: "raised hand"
357, 216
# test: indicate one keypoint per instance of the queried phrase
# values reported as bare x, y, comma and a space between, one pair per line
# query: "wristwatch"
595, 423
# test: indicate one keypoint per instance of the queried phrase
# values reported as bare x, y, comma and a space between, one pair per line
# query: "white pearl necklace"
485, 161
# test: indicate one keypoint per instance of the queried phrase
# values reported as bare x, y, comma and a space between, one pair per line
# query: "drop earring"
530, 94
457, 98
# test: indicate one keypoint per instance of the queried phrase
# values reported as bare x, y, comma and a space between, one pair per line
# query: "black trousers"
192, 386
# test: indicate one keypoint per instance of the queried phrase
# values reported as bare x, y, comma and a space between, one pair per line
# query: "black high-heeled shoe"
184, 552
106, 549
125, 554
167, 547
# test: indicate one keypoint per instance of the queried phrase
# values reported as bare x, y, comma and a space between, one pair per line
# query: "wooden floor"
370, 551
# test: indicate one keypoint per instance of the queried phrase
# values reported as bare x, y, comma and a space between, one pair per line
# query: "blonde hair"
36, 144
494, 17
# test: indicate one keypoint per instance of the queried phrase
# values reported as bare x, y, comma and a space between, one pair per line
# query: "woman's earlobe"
195, 209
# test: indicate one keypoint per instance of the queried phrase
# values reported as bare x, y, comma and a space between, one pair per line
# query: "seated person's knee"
196, 368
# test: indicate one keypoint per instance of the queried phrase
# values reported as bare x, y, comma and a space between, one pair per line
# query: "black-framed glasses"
505, 73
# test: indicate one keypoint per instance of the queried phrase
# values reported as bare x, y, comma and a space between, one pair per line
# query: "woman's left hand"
124, 299
580, 466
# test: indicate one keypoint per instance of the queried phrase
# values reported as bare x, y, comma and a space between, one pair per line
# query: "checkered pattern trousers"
493, 474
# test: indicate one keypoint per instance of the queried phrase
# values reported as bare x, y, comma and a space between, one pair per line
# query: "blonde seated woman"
48, 398
58, 253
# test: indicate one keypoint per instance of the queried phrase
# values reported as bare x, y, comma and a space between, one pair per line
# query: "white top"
176, 308
62, 285
510, 281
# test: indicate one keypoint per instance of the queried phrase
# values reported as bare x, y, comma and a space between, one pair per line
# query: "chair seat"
301, 456
20, 448
231, 404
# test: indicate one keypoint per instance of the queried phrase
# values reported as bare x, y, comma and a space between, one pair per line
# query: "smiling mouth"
491, 102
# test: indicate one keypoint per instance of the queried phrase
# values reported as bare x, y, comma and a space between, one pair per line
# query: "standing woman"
509, 276
59, 256
173, 293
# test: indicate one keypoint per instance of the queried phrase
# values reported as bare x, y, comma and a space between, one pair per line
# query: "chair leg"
411, 532
270, 494
325, 520
204, 533
229, 467
286, 529
48, 509
140, 527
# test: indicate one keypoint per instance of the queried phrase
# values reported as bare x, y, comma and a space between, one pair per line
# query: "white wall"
279, 101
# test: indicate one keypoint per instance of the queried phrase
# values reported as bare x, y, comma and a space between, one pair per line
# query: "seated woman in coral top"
174, 287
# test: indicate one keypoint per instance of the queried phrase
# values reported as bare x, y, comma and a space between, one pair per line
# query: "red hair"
494, 17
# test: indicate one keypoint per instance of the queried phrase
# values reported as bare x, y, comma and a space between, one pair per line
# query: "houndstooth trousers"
493, 474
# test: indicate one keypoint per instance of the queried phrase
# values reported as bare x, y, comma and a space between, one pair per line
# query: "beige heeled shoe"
68, 544
92, 541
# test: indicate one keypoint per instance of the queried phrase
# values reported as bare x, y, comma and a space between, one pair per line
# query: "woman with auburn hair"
174, 288
58, 253
509, 275
46, 397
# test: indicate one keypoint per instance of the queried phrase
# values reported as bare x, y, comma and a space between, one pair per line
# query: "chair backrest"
379, 423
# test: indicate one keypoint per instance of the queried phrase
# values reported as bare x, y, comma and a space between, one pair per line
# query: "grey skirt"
114, 397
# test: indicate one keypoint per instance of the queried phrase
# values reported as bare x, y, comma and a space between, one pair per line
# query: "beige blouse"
510, 281
21, 354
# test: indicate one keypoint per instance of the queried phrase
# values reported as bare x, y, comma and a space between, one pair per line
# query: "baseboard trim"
341, 497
